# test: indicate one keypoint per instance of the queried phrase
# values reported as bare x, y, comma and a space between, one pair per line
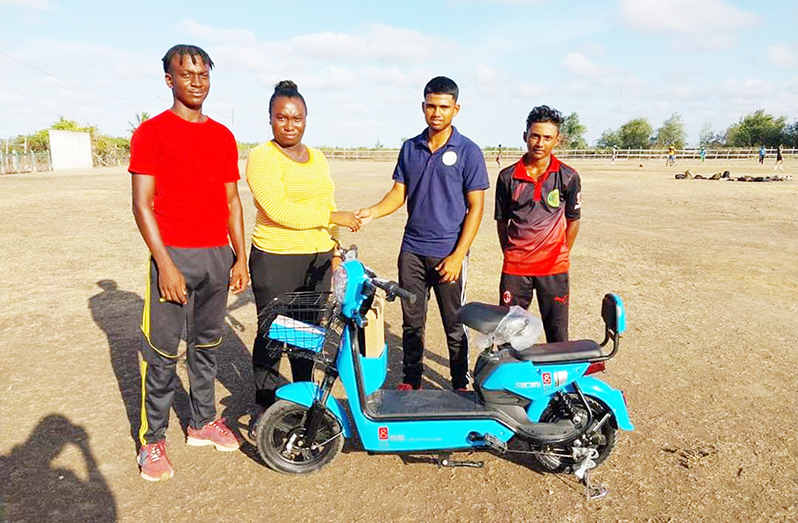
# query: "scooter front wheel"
558, 458
282, 443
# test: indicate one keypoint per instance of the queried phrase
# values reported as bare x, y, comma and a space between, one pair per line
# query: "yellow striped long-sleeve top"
294, 201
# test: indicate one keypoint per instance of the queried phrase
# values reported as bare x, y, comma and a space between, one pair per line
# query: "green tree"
706, 136
609, 139
141, 117
635, 134
757, 128
791, 135
572, 133
672, 132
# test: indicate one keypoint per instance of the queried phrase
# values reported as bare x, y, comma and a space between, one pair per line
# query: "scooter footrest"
488, 441
445, 460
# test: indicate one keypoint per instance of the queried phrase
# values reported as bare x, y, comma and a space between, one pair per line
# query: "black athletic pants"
272, 275
207, 275
417, 274
552, 292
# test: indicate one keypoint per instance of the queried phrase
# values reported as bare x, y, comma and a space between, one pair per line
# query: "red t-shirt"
191, 163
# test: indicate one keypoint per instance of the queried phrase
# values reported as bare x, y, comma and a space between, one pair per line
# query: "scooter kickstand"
594, 491
582, 472
445, 460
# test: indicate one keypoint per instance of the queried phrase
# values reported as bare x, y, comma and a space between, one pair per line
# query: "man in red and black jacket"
538, 203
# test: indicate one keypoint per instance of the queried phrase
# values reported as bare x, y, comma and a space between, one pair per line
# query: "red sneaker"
214, 433
154, 463
405, 387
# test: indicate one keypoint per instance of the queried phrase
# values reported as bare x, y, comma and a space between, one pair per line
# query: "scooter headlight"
339, 280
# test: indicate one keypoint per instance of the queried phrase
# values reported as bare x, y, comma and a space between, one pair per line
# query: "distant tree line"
752, 130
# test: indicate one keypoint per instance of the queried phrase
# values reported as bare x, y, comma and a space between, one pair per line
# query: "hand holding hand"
346, 219
365, 215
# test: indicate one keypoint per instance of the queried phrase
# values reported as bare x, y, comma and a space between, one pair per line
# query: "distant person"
443, 177
671, 161
702, 154
762, 153
186, 205
614, 155
499, 157
779, 158
538, 207
291, 245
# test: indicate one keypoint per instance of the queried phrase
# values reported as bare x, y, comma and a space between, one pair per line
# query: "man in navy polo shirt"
443, 177
538, 206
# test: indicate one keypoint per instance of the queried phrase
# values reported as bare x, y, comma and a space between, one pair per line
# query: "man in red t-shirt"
538, 205
184, 170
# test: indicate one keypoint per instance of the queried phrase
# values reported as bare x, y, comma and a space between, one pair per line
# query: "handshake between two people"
352, 220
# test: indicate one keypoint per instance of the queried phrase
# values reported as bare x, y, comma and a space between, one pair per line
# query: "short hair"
442, 85
543, 114
288, 89
182, 50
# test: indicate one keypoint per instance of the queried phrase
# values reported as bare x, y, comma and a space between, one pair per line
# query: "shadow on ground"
34, 489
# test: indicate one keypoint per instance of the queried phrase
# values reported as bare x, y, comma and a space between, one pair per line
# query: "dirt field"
707, 270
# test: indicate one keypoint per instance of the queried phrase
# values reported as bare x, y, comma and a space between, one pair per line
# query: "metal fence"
22, 162
512, 155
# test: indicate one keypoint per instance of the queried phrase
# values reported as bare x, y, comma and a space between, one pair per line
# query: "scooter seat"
561, 351
483, 317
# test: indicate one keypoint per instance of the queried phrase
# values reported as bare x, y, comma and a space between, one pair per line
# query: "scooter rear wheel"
557, 458
281, 441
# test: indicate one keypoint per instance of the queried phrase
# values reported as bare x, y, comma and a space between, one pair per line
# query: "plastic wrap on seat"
519, 328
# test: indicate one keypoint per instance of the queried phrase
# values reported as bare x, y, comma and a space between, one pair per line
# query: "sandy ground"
707, 271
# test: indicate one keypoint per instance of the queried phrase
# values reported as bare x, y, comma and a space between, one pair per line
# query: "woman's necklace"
300, 157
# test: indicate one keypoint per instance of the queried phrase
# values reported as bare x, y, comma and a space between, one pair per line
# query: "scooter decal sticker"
382, 433
547, 378
507, 297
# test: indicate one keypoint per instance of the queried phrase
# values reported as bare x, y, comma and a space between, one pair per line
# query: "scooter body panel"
374, 370
304, 393
533, 382
418, 434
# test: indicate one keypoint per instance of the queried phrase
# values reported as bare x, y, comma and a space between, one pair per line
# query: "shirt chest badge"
553, 198
449, 158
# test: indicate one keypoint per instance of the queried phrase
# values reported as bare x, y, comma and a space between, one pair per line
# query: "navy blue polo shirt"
436, 185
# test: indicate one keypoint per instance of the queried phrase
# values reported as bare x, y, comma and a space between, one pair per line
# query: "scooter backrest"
613, 314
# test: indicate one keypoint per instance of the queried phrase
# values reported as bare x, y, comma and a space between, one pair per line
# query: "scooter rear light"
597, 366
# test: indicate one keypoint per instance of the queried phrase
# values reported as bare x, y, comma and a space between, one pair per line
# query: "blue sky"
362, 65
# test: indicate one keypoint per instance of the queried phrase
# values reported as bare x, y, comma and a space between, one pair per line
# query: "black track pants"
272, 275
417, 274
552, 293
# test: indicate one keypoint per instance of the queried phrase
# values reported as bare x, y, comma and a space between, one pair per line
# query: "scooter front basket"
298, 323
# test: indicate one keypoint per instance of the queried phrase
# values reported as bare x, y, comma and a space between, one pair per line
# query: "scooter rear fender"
304, 393
612, 398
590, 387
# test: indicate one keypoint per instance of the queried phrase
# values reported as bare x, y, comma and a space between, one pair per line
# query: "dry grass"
707, 271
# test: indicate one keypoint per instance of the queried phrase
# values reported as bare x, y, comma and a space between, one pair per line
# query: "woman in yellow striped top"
291, 245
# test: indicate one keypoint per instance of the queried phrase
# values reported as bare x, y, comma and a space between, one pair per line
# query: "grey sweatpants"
207, 275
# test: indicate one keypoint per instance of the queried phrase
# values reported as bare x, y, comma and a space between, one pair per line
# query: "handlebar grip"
393, 288
405, 294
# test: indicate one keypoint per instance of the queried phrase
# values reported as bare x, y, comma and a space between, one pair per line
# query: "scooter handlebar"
392, 289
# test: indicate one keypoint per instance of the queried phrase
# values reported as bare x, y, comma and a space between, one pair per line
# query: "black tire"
603, 440
280, 443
